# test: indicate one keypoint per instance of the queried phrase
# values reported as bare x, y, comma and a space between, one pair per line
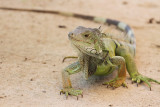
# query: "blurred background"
32, 46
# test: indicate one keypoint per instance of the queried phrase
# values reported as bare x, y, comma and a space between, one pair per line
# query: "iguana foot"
140, 78
115, 83
71, 91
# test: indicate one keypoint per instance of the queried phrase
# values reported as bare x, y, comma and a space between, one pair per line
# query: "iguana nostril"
70, 34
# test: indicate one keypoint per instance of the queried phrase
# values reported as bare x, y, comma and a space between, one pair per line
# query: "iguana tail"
120, 25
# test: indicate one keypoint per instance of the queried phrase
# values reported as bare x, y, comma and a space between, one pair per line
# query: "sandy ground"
32, 47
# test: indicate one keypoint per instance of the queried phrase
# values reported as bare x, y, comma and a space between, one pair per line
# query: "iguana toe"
71, 91
115, 83
140, 78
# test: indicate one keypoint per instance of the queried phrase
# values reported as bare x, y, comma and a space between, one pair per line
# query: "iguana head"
86, 40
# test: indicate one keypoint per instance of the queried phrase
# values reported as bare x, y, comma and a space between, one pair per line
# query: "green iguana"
100, 53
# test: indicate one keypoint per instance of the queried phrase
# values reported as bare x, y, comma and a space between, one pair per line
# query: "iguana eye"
86, 35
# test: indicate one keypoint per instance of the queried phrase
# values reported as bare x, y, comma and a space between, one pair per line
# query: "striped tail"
120, 25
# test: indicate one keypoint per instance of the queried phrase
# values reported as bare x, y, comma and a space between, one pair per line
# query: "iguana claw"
71, 91
140, 78
115, 83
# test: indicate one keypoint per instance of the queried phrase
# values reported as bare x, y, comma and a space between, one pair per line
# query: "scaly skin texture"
99, 53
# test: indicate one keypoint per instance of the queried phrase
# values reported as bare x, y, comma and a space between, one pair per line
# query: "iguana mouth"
87, 50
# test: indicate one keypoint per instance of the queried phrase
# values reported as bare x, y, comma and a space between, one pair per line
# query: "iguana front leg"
131, 67
120, 79
67, 86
